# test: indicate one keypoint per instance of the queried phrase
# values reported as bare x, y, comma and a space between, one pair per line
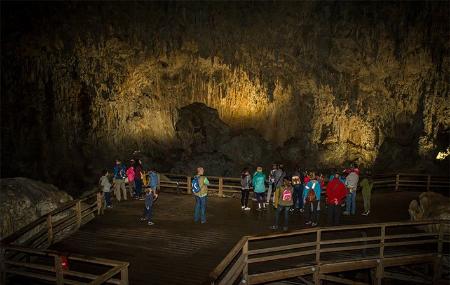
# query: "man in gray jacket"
351, 182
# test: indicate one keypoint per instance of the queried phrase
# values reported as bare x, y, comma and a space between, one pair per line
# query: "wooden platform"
177, 251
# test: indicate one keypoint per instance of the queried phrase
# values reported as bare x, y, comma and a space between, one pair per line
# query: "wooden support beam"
58, 270
428, 182
221, 187
124, 276
340, 280
406, 277
245, 269
189, 185
49, 229
78, 213
397, 181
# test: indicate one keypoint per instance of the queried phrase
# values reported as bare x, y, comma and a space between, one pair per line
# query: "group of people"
142, 185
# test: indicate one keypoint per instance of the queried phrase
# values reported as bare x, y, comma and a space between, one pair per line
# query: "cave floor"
177, 251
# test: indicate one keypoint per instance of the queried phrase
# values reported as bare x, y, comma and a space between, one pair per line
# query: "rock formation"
23, 200
430, 206
329, 82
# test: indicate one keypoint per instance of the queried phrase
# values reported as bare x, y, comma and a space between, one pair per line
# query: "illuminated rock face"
323, 82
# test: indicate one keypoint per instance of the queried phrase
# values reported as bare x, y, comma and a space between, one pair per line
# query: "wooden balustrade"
330, 250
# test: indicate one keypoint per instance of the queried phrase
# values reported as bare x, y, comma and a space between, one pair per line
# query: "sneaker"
301, 210
203, 222
346, 213
247, 209
274, 227
291, 210
314, 224
285, 229
109, 207
365, 213
150, 223
308, 223
141, 199
242, 207
143, 219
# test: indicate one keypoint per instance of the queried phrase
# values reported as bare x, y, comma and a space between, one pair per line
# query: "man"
201, 195
120, 173
298, 189
351, 182
279, 176
311, 200
336, 193
366, 187
271, 181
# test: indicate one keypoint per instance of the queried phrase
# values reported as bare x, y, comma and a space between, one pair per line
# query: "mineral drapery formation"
325, 83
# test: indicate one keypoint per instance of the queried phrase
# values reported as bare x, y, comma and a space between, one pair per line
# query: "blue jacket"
153, 176
317, 189
259, 180
342, 178
120, 171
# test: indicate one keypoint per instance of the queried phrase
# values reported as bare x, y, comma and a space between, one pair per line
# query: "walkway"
177, 251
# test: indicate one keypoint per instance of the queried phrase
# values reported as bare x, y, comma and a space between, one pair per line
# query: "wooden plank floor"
177, 251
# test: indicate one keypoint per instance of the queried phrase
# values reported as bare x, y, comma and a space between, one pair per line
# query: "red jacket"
336, 192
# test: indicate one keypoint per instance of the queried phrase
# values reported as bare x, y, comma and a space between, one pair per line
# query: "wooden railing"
23, 253
229, 185
322, 251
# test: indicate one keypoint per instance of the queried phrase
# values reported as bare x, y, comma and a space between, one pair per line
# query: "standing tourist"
106, 188
150, 196
246, 184
351, 182
130, 176
336, 193
259, 179
311, 200
271, 182
200, 189
298, 190
138, 171
153, 179
279, 176
285, 196
366, 186
120, 174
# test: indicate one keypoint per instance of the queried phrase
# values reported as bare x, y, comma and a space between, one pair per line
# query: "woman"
259, 187
138, 179
246, 184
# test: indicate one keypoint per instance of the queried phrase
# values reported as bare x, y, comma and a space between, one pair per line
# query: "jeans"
138, 187
244, 197
334, 214
107, 198
260, 197
311, 213
286, 215
298, 199
366, 197
350, 203
148, 212
200, 209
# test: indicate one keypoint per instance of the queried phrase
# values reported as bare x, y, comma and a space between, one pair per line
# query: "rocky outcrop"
329, 82
430, 206
24, 200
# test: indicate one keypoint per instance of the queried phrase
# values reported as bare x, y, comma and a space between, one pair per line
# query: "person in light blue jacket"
311, 199
154, 179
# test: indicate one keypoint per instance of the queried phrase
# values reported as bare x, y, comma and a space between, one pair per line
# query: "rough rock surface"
336, 81
23, 200
430, 206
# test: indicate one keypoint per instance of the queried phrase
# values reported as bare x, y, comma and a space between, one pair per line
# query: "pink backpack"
287, 195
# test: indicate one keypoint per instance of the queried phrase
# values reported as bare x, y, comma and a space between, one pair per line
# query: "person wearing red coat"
336, 193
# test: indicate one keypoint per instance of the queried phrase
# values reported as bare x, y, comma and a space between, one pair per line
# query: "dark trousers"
286, 215
138, 186
298, 199
107, 198
334, 214
148, 209
244, 197
311, 213
260, 197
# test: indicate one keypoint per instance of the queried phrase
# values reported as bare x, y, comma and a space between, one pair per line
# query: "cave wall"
83, 83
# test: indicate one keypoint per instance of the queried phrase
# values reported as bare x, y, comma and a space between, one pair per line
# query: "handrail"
380, 241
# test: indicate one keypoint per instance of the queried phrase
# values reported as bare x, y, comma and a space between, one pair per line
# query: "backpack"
195, 184
287, 195
311, 196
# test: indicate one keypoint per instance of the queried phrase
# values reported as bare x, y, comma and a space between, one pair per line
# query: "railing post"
221, 186
437, 263
124, 275
397, 181
3, 265
428, 182
59, 271
380, 268
189, 185
245, 269
78, 213
49, 230
316, 274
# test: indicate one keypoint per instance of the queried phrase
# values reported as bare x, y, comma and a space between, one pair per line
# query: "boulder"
24, 200
430, 206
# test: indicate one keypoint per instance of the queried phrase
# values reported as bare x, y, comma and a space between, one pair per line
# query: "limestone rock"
430, 206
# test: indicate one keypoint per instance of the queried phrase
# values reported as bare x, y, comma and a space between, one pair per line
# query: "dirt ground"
177, 251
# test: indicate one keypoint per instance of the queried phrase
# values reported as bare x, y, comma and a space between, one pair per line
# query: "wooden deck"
177, 251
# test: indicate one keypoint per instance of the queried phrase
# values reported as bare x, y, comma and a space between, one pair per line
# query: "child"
150, 195
100, 203
106, 188
285, 201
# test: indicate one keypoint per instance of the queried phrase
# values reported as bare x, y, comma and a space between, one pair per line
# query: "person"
138, 179
336, 193
201, 196
130, 176
285, 201
351, 182
106, 188
246, 184
271, 182
100, 203
150, 196
279, 176
353, 168
259, 179
120, 174
153, 179
366, 186
298, 190
311, 200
